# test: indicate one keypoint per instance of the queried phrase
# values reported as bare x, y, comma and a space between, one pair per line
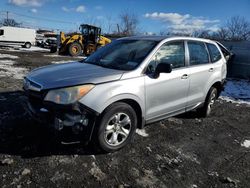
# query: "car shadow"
189, 115
22, 136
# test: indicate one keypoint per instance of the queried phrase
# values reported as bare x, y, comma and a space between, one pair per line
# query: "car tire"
27, 45
117, 127
75, 49
212, 95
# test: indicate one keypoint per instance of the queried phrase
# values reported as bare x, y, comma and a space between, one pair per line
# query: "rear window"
1, 32
215, 54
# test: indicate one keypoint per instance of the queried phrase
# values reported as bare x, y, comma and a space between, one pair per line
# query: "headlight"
68, 95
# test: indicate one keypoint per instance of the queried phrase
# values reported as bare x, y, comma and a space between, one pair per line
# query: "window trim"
169, 42
204, 43
210, 53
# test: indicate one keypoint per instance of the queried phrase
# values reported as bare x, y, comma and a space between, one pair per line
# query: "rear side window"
214, 53
1, 32
198, 53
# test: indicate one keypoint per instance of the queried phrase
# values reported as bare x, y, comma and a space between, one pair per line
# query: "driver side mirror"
163, 68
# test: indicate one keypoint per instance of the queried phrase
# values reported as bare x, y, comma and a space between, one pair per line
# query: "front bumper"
71, 122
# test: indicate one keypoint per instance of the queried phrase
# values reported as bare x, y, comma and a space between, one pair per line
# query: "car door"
167, 94
200, 70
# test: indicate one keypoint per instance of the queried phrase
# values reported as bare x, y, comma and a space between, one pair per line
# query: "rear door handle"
184, 76
211, 70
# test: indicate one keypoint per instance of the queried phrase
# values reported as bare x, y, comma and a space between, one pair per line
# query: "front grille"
35, 98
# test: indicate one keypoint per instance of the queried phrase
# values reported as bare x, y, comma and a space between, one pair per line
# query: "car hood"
70, 74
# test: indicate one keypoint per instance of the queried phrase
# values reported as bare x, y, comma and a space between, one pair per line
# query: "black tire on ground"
212, 95
27, 45
117, 127
75, 49
53, 49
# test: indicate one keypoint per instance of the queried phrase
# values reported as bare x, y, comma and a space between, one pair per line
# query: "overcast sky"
154, 15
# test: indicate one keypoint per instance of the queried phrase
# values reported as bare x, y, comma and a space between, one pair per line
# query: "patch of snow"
7, 69
97, 172
141, 132
189, 156
57, 55
60, 62
232, 100
2, 56
246, 143
20, 49
237, 91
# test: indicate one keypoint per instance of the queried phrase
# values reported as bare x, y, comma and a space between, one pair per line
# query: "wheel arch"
219, 86
136, 106
138, 111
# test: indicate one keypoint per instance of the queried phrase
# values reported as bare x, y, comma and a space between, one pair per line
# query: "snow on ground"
237, 91
56, 55
20, 49
246, 143
35, 48
7, 69
141, 132
3, 56
61, 62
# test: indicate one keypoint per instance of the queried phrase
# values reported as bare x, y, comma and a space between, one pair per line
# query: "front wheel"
117, 127
75, 49
205, 111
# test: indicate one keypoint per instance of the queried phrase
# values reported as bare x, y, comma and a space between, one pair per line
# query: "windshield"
122, 54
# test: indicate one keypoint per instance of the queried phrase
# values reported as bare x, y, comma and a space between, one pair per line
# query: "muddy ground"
184, 151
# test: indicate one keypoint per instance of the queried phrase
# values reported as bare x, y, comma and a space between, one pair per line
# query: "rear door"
167, 94
200, 70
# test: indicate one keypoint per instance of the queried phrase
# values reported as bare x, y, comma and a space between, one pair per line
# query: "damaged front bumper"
72, 123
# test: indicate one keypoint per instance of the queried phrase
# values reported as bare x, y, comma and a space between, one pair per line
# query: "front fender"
103, 95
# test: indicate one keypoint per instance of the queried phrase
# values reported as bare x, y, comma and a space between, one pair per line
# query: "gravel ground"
184, 151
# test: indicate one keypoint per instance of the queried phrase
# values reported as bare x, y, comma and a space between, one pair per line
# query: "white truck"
17, 36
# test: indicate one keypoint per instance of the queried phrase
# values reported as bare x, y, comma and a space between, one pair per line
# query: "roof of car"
160, 38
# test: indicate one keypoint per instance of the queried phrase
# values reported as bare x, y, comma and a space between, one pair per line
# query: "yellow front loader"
86, 42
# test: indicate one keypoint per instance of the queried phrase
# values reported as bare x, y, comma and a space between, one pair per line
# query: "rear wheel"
205, 111
117, 127
75, 49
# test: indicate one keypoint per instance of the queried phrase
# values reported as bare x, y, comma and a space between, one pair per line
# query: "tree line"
236, 28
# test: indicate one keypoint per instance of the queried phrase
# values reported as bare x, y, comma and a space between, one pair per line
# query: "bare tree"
221, 34
238, 28
202, 33
10, 22
129, 24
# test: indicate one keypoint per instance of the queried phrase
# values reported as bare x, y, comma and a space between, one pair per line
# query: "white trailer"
17, 36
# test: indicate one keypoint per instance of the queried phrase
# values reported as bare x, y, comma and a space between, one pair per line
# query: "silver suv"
127, 84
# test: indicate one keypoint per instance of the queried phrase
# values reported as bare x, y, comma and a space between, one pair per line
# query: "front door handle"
211, 70
184, 76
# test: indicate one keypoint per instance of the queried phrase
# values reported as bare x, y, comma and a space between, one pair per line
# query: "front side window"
1, 32
171, 53
197, 53
122, 54
214, 52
